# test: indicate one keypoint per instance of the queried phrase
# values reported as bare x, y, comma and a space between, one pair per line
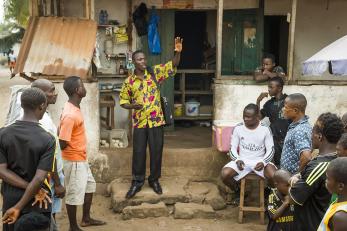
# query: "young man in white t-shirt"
252, 149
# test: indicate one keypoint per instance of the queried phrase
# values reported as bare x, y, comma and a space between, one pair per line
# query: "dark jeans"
155, 139
29, 222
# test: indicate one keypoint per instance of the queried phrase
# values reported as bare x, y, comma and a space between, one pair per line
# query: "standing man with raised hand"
79, 181
140, 93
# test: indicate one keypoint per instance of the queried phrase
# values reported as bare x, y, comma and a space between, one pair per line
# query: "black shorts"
30, 221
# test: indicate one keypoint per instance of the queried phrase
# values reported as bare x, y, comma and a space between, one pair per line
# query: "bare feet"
92, 222
75, 229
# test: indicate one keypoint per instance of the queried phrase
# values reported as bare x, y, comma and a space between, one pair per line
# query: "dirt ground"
101, 210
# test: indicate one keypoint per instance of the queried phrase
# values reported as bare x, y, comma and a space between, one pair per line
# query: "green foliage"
18, 11
10, 34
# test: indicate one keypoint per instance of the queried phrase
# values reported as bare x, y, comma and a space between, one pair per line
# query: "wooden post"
130, 25
87, 9
92, 9
260, 30
62, 8
183, 89
48, 6
291, 41
33, 8
219, 38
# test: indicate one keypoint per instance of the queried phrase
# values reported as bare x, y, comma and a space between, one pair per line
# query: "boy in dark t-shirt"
26, 155
268, 70
308, 192
281, 212
273, 110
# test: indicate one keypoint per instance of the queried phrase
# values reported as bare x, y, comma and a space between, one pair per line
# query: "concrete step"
145, 210
205, 193
175, 190
193, 210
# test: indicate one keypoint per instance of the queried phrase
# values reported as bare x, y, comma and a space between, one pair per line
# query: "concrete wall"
316, 27
196, 163
231, 99
277, 7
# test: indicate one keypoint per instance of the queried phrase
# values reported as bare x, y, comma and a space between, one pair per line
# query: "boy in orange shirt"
80, 183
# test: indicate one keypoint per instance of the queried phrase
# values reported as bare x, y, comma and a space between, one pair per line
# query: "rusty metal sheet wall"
56, 46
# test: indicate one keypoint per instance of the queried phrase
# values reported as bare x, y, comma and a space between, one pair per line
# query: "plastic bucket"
178, 109
192, 108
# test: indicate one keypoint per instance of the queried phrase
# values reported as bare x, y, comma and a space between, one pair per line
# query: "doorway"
192, 131
276, 31
191, 25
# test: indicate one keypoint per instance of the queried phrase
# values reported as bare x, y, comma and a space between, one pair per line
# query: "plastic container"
192, 108
222, 134
178, 109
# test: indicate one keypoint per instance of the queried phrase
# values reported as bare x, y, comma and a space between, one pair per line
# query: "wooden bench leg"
262, 201
112, 117
242, 200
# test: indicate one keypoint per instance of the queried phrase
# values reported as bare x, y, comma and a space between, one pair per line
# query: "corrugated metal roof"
57, 46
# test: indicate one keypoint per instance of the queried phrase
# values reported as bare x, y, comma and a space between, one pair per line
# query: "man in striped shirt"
252, 149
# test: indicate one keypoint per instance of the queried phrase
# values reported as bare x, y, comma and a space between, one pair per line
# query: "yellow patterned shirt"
146, 92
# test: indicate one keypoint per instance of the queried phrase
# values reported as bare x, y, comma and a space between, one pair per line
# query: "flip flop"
93, 222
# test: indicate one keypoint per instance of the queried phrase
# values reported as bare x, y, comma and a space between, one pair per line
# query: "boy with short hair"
256, 149
281, 212
273, 110
26, 155
268, 70
79, 181
335, 217
341, 151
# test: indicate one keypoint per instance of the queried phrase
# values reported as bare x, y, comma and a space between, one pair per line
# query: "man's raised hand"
178, 44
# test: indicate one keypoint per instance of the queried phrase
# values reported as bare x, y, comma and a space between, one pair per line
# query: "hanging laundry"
139, 19
153, 34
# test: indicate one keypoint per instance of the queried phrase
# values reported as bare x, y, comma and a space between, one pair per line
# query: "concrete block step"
173, 191
145, 210
193, 210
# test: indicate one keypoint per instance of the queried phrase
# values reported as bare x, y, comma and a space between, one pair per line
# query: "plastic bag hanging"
153, 34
